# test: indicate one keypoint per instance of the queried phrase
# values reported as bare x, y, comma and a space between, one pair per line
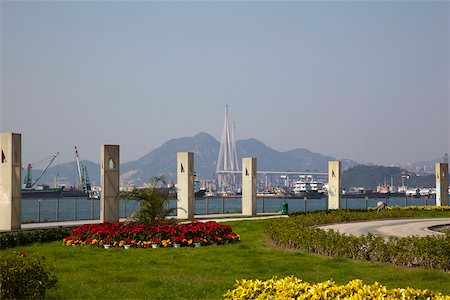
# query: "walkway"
213, 217
386, 228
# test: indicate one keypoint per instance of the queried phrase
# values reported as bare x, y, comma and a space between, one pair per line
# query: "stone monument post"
185, 185
249, 186
441, 184
334, 184
109, 173
10, 180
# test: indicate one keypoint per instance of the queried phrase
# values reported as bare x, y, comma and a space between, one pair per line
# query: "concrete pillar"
334, 184
185, 185
109, 178
441, 184
10, 180
249, 186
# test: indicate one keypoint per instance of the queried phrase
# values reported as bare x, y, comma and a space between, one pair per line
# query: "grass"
207, 272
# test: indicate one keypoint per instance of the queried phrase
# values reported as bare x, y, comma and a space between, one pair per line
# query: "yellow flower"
294, 288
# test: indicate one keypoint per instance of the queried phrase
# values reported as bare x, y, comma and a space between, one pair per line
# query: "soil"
441, 228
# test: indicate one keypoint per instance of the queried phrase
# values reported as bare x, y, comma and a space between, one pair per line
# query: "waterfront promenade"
203, 218
385, 228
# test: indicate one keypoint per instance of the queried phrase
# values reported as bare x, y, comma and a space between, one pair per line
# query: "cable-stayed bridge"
227, 163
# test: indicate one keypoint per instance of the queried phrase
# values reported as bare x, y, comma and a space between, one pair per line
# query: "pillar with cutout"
109, 173
442, 184
10, 181
249, 186
334, 184
185, 185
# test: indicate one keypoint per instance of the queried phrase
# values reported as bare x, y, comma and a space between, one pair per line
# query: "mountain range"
162, 161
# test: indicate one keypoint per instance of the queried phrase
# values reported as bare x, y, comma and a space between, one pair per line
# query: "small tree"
153, 202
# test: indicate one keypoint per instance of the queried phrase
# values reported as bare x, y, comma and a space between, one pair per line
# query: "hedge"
298, 232
25, 237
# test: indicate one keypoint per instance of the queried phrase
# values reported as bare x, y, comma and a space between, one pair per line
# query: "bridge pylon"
227, 159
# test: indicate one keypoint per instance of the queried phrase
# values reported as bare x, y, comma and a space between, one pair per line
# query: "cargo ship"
42, 191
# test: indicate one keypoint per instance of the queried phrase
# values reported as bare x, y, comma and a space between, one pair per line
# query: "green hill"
371, 176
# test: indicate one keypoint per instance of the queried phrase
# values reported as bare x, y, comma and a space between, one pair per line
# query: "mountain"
162, 161
371, 176
206, 150
269, 159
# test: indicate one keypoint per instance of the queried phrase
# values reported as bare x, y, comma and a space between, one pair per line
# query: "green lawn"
206, 272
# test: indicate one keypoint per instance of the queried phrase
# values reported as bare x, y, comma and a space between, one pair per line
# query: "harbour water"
68, 209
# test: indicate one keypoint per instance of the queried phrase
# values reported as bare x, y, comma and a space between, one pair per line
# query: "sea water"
68, 209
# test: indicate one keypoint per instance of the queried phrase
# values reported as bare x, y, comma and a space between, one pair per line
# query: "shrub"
294, 288
20, 238
24, 277
154, 201
299, 232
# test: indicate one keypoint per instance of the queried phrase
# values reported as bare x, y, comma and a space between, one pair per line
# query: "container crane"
83, 177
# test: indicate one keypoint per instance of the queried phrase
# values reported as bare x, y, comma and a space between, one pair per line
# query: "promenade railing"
72, 209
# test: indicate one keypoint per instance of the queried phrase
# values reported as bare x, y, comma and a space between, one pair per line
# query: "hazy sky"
366, 80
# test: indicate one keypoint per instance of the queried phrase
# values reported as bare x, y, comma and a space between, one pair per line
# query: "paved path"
203, 218
386, 228
394, 227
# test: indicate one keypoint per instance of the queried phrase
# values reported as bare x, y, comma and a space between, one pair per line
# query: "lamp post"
404, 181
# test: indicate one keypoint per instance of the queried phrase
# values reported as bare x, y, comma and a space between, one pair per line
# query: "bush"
154, 201
294, 288
298, 232
24, 277
20, 238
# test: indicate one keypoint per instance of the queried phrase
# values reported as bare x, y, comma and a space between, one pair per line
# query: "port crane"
28, 182
83, 177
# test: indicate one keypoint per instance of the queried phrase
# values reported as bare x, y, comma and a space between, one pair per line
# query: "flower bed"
294, 288
142, 236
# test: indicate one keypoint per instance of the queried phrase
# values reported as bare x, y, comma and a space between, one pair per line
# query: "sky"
364, 80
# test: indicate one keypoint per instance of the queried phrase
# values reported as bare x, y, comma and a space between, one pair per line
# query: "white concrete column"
334, 184
109, 173
441, 184
10, 180
185, 185
249, 186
